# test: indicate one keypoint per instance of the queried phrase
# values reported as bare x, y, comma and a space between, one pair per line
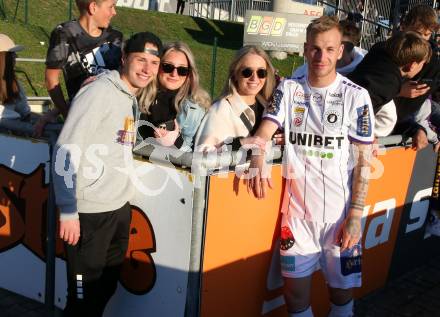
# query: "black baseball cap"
136, 44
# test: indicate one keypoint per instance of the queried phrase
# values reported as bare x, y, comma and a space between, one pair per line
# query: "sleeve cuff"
179, 142
69, 216
274, 121
352, 139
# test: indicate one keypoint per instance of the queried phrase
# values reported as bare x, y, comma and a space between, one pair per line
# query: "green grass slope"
199, 34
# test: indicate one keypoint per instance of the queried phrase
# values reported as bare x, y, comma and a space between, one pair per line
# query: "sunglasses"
247, 72
169, 68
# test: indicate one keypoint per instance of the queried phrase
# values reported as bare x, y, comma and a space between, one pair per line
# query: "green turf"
199, 34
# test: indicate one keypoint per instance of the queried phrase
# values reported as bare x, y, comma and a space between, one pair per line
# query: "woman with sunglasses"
173, 113
237, 114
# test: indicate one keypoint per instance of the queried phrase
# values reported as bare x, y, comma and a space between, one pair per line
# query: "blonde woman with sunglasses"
237, 113
172, 113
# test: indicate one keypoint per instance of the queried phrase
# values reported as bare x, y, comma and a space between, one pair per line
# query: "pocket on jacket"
92, 191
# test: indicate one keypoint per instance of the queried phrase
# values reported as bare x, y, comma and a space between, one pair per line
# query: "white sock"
304, 313
341, 310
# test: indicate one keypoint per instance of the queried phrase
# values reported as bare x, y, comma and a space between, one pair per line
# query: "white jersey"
319, 125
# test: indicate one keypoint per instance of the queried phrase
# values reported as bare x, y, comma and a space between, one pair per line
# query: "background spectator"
80, 49
13, 100
383, 70
414, 93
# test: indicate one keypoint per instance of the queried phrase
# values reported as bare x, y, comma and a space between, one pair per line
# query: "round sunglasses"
247, 72
169, 68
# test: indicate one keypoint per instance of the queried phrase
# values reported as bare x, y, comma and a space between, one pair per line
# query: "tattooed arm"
351, 228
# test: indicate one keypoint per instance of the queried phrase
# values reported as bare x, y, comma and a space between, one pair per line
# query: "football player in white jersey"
328, 127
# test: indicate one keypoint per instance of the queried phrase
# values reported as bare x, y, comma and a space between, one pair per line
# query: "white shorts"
308, 246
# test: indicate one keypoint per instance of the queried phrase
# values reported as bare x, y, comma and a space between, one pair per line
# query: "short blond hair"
323, 24
408, 47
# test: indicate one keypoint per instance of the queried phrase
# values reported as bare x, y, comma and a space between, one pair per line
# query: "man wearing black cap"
92, 177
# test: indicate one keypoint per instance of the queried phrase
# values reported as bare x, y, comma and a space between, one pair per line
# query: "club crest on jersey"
287, 239
317, 97
298, 116
363, 121
332, 118
275, 102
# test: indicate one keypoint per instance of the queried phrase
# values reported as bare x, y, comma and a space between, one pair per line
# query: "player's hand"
253, 142
375, 148
350, 232
279, 138
70, 231
419, 140
411, 89
259, 178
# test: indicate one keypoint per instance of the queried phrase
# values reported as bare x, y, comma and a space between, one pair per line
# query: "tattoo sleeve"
361, 174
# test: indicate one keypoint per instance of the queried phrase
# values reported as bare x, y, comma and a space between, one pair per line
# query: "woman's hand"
165, 137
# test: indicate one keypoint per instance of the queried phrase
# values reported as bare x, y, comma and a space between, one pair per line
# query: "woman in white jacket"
237, 113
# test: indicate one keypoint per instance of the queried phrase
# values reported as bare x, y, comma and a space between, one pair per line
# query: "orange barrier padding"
382, 224
240, 268
240, 233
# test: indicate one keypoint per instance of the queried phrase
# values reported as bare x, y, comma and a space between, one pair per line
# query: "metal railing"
35, 97
228, 10
373, 17
376, 18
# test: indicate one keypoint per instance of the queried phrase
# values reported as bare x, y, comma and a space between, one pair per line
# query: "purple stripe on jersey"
274, 121
359, 141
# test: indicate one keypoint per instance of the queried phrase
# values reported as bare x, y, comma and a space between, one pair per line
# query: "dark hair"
8, 82
137, 42
350, 30
421, 16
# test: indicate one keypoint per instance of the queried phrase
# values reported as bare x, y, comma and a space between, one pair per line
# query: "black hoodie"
431, 71
378, 74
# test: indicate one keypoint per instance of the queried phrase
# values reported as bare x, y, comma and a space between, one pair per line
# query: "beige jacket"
222, 122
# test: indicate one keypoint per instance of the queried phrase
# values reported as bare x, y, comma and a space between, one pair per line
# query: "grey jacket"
93, 155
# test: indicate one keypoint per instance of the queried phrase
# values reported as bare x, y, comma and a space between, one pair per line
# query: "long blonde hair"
189, 90
147, 95
234, 69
